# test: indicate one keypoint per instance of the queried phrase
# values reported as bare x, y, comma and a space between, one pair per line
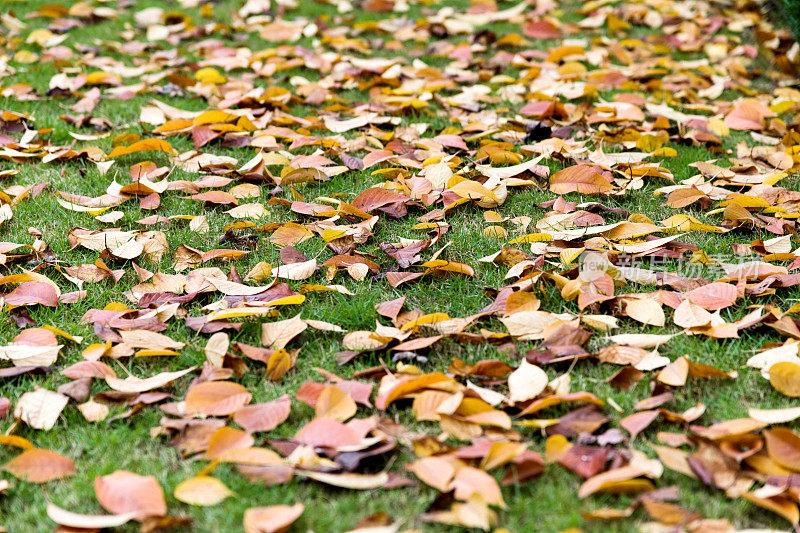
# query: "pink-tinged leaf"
327, 432
713, 296
33, 293
263, 416
541, 29
748, 114
638, 422
125, 492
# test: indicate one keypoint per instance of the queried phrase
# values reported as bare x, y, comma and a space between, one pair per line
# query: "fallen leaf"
202, 490
526, 382
124, 492
40, 408
39, 466
216, 398
83, 521
273, 519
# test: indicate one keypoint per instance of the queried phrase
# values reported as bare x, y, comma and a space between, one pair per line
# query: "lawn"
121, 196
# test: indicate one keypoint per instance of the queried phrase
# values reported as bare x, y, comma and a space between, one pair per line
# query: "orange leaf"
226, 439
145, 145
579, 178
216, 398
39, 465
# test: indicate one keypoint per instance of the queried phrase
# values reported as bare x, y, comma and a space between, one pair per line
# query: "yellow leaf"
202, 490
717, 127
785, 377
532, 237
94, 352
278, 364
214, 116
334, 403
239, 312
665, 151
103, 78
425, 319
145, 145
209, 75
155, 353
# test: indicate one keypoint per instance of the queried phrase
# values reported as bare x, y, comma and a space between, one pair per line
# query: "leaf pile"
604, 183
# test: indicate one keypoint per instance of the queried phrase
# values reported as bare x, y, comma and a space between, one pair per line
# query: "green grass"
548, 503
791, 9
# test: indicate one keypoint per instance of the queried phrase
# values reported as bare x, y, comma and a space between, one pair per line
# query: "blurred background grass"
791, 9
